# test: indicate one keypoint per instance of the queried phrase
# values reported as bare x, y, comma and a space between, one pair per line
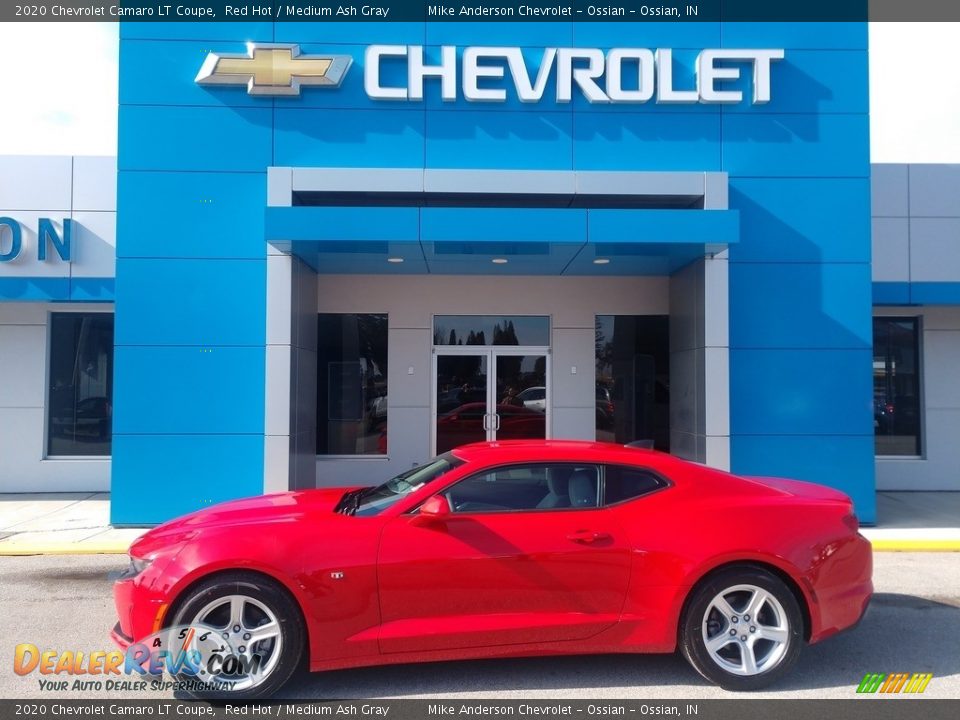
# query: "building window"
896, 385
352, 385
80, 404
633, 379
522, 330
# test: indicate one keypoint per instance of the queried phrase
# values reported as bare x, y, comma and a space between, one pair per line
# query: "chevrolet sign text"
597, 74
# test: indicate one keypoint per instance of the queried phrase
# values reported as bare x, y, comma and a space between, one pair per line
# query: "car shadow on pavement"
900, 633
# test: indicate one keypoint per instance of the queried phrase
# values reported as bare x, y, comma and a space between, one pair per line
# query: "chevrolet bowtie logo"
271, 69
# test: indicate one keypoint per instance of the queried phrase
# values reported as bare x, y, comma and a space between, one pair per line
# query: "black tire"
292, 633
727, 666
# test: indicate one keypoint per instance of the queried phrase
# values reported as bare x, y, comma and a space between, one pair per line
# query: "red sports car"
510, 549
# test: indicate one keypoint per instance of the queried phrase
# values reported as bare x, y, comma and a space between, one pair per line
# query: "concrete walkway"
79, 523
916, 521
60, 523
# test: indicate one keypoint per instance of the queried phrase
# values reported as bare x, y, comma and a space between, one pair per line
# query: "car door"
526, 556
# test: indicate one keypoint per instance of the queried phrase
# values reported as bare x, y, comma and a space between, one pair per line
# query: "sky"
66, 104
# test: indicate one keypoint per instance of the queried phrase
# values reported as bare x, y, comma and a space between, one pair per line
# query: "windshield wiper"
355, 502
350, 502
344, 501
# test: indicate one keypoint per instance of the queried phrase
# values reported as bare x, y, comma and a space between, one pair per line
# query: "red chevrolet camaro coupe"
510, 549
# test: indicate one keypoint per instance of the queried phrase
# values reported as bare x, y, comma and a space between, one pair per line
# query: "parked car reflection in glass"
464, 424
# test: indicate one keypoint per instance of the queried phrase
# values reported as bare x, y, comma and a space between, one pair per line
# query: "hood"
263, 509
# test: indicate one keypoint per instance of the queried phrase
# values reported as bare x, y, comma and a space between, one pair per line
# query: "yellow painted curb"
13, 549
916, 545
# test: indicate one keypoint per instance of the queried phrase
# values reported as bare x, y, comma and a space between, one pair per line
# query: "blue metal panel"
807, 81
647, 141
530, 34
233, 30
536, 241
818, 391
92, 289
194, 138
705, 227
647, 34
533, 57
473, 258
891, 293
189, 390
343, 224
171, 81
191, 302
206, 215
800, 305
935, 293
684, 78
796, 145
368, 257
481, 225
349, 138
34, 288
841, 461
332, 34
157, 477
508, 141
795, 35
802, 219
351, 93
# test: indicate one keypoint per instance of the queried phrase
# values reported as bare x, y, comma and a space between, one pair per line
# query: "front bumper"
140, 612
121, 640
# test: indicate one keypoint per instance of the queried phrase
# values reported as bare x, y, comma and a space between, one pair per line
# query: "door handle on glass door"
587, 536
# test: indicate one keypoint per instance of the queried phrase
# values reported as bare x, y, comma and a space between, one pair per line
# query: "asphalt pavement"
64, 602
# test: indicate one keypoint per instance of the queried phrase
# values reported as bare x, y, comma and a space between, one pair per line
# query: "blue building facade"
200, 166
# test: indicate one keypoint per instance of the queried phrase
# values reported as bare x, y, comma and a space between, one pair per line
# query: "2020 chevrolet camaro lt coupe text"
508, 549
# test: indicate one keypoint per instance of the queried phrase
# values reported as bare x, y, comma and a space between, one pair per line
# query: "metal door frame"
491, 352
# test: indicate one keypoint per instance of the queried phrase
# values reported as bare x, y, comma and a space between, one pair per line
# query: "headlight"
137, 566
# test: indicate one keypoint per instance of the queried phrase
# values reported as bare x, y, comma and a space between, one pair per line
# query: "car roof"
533, 450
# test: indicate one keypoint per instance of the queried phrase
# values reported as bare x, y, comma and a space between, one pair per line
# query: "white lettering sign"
599, 76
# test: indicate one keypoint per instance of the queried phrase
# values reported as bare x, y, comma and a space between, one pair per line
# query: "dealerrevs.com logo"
198, 657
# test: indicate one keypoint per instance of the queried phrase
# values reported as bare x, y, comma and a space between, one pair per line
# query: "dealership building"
328, 251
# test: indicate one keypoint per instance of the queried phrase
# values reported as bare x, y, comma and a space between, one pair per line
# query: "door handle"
496, 428
587, 536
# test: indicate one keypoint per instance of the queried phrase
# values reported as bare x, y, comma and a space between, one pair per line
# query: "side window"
547, 486
625, 483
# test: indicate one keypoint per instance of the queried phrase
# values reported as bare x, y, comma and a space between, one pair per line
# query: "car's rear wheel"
742, 628
262, 630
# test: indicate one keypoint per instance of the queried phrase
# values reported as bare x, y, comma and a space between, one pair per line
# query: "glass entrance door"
489, 394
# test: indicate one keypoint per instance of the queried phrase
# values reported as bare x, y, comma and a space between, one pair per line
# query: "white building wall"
936, 468
56, 187
24, 465
916, 239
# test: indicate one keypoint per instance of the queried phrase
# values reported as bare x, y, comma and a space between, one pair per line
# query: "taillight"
851, 521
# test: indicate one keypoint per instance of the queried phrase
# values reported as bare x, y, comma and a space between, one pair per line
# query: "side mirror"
435, 508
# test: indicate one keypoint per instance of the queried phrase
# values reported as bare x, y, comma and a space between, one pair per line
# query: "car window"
625, 483
536, 486
373, 501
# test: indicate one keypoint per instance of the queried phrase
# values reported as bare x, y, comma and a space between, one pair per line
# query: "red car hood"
275, 508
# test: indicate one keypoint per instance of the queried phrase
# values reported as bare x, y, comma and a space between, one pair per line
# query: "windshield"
373, 501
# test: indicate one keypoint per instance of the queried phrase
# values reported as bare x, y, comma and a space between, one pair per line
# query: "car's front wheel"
261, 630
742, 628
